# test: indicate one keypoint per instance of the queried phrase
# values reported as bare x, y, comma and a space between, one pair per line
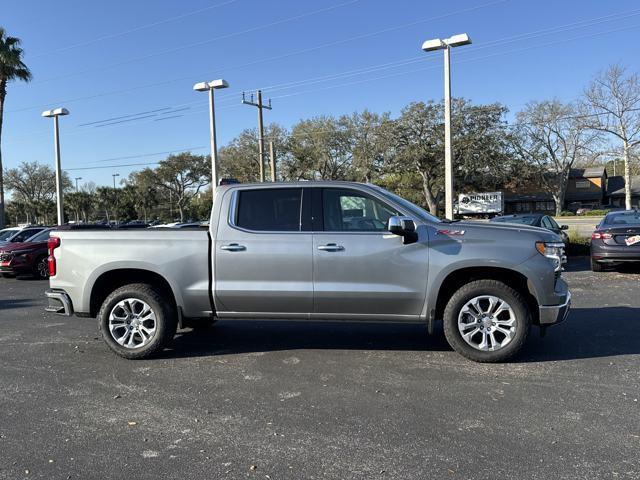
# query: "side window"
269, 209
351, 211
546, 223
553, 223
24, 234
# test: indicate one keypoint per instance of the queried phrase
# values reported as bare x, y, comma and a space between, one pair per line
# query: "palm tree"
11, 68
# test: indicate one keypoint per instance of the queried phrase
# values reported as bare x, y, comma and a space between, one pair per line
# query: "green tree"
182, 176
321, 148
34, 185
12, 68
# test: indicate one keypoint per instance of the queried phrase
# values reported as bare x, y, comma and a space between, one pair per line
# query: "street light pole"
77, 178
210, 87
114, 175
446, 45
55, 113
448, 150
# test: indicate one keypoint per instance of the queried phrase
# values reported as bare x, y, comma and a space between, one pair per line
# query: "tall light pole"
55, 113
210, 87
114, 175
447, 44
77, 178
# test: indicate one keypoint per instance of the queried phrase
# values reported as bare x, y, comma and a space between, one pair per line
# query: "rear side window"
270, 209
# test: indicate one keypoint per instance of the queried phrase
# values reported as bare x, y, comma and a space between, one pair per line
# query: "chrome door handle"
233, 247
331, 247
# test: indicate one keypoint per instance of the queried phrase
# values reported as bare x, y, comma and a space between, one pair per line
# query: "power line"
280, 57
408, 61
132, 30
205, 42
493, 43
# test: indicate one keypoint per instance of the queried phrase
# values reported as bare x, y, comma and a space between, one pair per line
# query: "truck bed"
178, 255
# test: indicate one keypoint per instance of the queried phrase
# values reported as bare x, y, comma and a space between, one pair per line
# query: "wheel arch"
111, 280
457, 278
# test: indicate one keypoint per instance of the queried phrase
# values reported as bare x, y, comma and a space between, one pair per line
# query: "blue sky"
140, 59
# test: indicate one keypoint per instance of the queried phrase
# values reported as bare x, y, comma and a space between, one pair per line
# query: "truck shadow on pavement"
587, 333
9, 304
243, 336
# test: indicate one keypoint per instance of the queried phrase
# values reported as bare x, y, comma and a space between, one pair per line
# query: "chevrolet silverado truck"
313, 251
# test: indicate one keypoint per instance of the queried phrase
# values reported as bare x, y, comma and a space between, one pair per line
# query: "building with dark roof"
615, 191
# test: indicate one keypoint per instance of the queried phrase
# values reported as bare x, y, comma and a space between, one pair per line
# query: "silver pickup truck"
313, 251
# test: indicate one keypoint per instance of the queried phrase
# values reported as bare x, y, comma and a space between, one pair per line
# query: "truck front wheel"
136, 322
486, 321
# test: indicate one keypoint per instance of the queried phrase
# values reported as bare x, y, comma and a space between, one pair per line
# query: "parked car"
21, 235
26, 258
616, 240
535, 220
314, 251
6, 233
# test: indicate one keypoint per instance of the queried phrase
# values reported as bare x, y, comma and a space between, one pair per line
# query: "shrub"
566, 213
577, 244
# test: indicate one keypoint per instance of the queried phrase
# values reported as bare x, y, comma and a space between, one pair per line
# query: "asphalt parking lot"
309, 400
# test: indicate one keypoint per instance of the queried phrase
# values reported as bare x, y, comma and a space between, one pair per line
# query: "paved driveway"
309, 400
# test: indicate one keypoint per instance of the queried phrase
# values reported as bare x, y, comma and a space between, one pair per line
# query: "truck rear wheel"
486, 321
136, 322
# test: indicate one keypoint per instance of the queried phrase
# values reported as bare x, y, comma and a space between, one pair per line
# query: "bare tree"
612, 103
553, 136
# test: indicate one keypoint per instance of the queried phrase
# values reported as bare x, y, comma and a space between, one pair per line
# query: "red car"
26, 258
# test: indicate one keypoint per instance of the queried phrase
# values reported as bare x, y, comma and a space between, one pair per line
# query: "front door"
360, 270
263, 258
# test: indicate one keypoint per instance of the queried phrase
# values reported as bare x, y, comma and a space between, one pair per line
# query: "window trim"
235, 201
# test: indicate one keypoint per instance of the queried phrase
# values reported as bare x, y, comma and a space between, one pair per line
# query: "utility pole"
77, 178
260, 106
272, 158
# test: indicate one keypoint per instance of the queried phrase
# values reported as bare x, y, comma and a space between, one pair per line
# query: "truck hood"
490, 228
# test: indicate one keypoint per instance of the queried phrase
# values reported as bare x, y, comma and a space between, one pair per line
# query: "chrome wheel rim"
132, 323
43, 268
487, 323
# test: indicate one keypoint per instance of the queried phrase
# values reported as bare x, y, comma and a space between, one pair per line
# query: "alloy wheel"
487, 323
132, 323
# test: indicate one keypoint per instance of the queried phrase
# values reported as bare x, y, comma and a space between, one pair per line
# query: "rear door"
360, 269
263, 257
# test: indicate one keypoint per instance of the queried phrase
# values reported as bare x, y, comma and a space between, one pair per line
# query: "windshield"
421, 213
5, 234
622, 218
40, 237
521, 220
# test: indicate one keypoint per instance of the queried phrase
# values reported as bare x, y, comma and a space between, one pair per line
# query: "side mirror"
405, 228
564, 227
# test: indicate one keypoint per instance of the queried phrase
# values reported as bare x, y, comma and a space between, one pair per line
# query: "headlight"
553, 251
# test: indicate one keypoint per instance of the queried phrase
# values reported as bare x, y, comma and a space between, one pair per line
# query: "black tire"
503, 292
596, 266
38, 271
166, 320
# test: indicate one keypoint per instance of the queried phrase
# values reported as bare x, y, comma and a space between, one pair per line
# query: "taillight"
601, 236
52, 244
